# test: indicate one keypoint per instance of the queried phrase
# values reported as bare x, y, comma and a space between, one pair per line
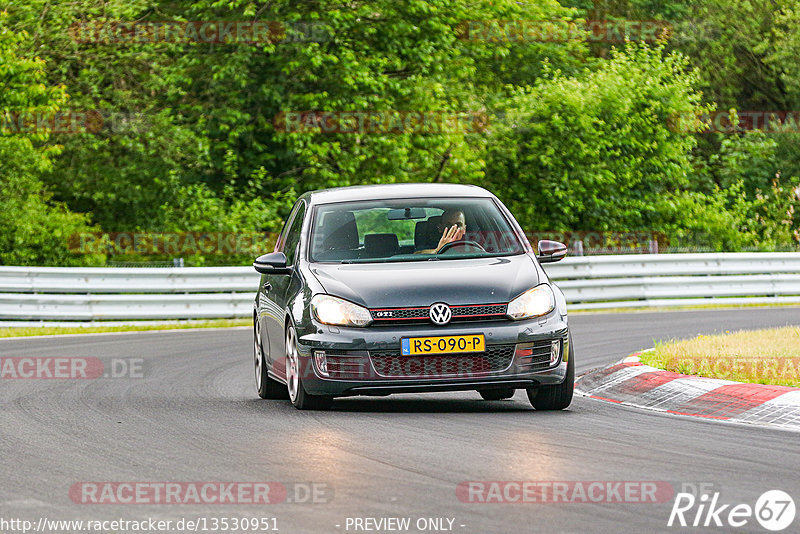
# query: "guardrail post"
577, 248
177, 262
653, 246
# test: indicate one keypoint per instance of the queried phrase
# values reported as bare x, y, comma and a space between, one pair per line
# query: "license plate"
411, 346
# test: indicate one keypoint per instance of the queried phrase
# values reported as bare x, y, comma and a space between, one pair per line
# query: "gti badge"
440, 313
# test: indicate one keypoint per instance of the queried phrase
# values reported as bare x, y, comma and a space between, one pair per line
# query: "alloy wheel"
258, 359
292, 365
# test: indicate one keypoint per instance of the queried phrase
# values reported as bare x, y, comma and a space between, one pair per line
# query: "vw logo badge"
440, 313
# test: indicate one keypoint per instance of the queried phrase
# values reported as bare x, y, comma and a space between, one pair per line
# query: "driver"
452, 225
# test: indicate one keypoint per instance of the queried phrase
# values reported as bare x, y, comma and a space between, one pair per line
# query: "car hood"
421, 283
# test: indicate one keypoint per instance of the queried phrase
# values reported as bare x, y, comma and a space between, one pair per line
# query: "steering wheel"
460, 242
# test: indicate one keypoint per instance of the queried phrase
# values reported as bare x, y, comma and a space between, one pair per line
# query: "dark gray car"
382, 289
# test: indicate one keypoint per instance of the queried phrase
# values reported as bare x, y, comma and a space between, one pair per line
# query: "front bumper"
368, 360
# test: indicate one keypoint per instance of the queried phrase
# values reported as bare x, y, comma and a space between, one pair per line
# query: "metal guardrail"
590, 282
102, 294
127, 280
642, 280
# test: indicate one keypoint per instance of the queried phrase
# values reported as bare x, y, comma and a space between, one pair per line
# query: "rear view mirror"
272, 263
551, 251
401, 214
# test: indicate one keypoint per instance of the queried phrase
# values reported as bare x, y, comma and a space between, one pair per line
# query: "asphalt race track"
194, 416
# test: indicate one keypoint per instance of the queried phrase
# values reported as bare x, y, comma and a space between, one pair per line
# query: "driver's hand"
454, 233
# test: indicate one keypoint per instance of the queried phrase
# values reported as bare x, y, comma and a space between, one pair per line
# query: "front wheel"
294, 382
267, 387
557, 396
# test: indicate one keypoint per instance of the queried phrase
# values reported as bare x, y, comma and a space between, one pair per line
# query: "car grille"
392, 364
363, 365
539, 359
461, 313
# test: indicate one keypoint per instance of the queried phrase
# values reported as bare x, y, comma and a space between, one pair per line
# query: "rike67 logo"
774, 510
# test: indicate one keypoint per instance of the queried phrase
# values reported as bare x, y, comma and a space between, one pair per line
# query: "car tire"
557, 396
496, 394
267, 387
300, 398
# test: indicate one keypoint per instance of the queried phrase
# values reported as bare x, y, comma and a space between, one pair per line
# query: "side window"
292, 237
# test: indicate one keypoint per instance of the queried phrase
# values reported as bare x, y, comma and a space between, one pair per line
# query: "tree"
35, 229
597, 152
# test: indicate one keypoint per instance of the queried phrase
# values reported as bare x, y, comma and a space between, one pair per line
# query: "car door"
277, 287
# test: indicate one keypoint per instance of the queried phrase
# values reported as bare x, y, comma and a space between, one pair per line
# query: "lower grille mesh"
393, 364
347, 364
364, 365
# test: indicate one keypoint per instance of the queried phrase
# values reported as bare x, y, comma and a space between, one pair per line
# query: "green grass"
58, 330
769, 356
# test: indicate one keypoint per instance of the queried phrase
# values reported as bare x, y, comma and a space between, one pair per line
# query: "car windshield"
411, 230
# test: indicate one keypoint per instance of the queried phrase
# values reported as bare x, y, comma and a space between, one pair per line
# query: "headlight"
333, 310
533, 303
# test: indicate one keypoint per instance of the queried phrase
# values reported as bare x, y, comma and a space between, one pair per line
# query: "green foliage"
746, 167
716, 222
732, 44
578, 136
594, 152
34, 229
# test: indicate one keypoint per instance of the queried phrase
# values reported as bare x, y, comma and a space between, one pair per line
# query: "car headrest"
381, 245
426, 233
341, 233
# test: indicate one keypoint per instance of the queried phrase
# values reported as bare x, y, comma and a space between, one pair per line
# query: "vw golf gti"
374, 290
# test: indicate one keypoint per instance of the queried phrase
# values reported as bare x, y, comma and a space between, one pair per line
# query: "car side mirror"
551, 251
272, 263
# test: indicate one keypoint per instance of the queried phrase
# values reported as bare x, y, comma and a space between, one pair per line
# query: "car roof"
392, 191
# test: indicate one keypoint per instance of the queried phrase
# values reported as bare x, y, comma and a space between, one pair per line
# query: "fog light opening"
555, 351
321, 362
